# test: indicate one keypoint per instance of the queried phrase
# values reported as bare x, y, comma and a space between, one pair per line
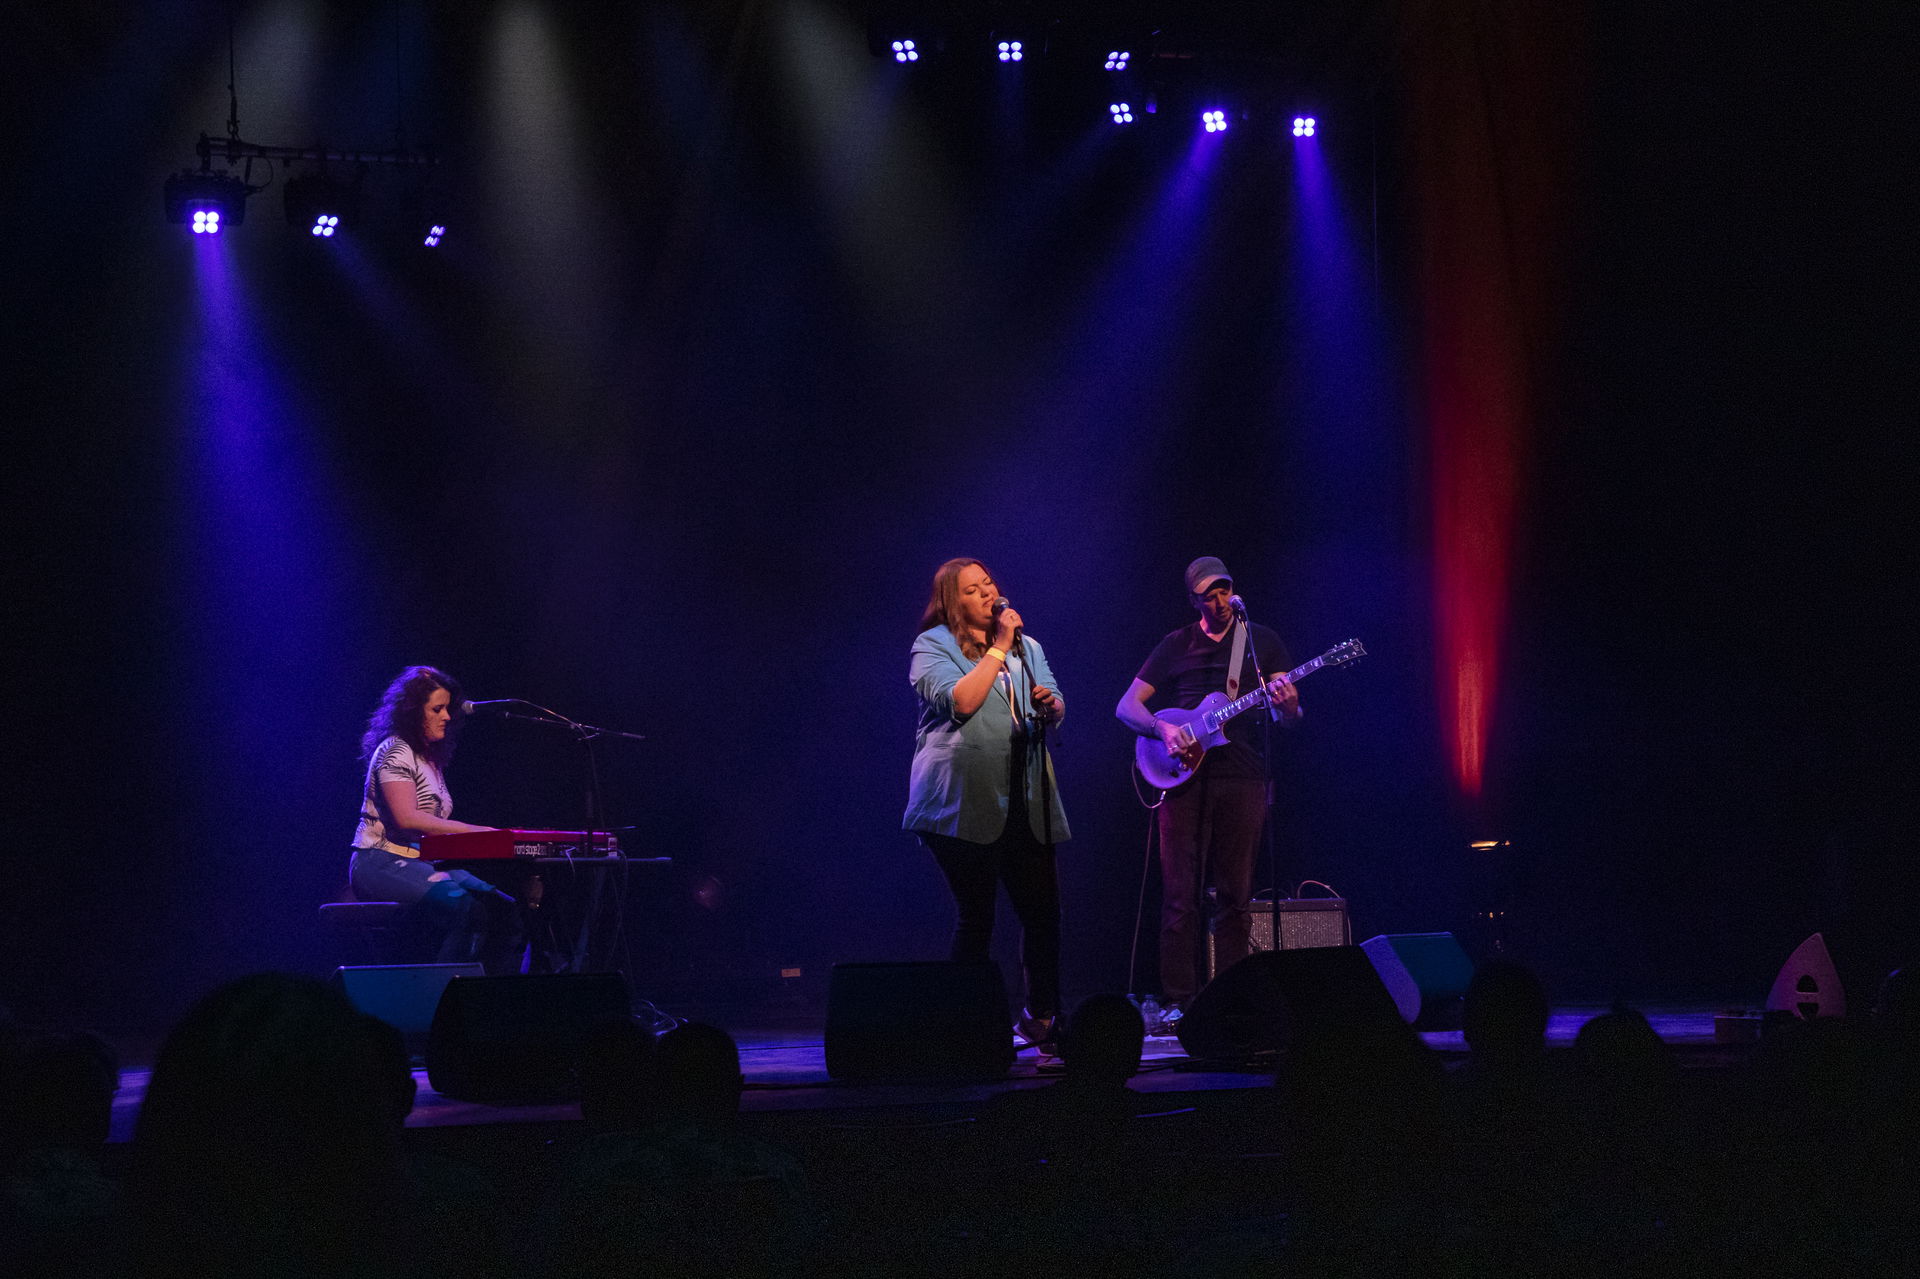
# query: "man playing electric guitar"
1209, 825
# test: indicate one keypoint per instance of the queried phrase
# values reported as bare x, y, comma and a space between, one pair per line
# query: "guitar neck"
1258, 696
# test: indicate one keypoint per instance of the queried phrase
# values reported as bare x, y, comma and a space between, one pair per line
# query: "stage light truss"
318, 202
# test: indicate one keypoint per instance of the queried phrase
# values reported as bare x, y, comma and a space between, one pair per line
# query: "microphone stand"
585, 734
1037, 737
1266, 762
1034, 740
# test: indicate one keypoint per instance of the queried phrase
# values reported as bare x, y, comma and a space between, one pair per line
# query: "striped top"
395, 761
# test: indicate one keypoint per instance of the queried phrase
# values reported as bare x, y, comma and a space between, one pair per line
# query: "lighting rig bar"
210, 200
234, 150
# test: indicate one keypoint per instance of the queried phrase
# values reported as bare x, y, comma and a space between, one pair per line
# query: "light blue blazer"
959, 784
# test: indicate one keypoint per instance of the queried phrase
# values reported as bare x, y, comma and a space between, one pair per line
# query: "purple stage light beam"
255, 547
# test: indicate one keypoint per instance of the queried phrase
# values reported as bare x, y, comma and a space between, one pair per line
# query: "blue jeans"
459, 911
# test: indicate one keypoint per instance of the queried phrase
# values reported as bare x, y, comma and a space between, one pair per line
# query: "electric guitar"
1207, 722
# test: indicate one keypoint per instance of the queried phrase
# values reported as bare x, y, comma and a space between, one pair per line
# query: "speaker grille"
1306, 923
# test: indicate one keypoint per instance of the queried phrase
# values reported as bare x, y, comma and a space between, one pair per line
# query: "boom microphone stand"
586, 735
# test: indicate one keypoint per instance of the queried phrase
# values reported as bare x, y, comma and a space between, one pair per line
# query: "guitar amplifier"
1305, 924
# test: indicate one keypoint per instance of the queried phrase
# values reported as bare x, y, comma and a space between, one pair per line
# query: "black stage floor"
784, 1060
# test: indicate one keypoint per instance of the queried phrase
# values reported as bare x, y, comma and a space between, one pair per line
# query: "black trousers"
1209, 834
1026, 866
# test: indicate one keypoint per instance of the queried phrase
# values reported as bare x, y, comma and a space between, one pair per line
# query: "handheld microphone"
1000, 606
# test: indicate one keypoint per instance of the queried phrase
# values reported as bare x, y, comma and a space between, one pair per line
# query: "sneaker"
1037, 1032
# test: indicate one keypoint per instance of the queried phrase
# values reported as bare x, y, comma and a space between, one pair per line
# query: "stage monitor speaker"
517, 1039
1270, 996
1808, 985
1304, 922
402, 995
918, 1021
1426, 973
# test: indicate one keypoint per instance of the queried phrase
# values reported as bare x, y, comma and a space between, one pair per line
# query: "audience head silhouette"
268, 1140
1622, 1047
699, 1069
1505, 1011
618, 1076
1102, 1039
1896, 1009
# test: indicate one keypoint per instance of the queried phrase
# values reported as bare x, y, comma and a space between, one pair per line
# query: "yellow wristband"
998, 654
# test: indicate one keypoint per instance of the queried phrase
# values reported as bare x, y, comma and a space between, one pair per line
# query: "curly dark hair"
401, 714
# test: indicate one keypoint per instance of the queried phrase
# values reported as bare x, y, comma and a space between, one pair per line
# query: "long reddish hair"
401, 714
943, 605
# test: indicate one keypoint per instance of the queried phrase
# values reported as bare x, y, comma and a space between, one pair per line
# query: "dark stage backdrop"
738, 333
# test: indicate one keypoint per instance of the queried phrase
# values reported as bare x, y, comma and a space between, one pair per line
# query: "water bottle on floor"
1154, 1017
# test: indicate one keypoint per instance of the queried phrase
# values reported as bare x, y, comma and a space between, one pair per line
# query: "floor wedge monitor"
1427, 974
1269, 997
517, 1039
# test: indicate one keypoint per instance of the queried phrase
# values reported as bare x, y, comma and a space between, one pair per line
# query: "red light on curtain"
1475, 432
1491, 83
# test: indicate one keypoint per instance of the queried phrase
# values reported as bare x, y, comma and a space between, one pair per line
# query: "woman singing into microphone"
409, 739
981, 796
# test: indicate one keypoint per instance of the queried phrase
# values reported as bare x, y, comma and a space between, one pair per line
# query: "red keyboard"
499, 845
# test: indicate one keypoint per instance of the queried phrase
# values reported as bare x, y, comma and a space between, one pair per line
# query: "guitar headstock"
1340, 654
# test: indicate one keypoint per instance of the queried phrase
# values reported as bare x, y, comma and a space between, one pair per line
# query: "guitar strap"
1236, 659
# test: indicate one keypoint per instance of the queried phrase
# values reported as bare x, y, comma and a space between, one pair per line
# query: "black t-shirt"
1185, 666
